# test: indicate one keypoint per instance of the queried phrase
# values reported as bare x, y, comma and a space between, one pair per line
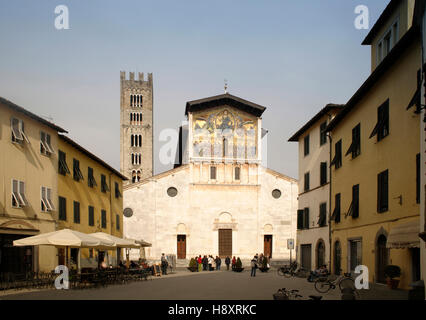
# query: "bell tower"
136, 126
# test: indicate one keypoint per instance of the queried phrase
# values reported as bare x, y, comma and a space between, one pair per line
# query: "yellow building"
375, 147
89, 199
28, 173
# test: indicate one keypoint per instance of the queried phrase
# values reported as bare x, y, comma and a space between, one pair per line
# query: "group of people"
258, 261
206, 263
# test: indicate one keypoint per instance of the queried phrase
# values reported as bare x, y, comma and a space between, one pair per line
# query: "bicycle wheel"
347, 283
280, 271
288, 274
322, 285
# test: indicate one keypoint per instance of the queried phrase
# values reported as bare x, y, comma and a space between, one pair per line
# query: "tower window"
136, 100
237, 173
213, 173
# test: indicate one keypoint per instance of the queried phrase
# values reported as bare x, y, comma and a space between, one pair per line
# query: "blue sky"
291, 56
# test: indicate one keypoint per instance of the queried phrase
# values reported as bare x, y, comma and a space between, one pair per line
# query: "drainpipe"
330, 139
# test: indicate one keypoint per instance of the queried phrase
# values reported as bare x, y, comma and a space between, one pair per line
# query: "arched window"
133, 158
134, 176
132, 140
140, 158
320, 253
140, 140
139, 175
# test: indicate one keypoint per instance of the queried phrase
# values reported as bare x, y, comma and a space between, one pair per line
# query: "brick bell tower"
136, 126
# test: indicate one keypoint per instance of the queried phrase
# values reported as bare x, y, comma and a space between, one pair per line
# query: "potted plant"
193, 265
392, 272
264, 265
238, 266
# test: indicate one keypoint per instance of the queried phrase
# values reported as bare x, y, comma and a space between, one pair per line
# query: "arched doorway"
382, 258
337, 257
320, 252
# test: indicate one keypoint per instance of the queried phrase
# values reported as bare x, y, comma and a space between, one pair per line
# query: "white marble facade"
255, 202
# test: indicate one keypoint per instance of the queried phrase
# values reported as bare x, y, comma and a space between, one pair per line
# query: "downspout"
330, 139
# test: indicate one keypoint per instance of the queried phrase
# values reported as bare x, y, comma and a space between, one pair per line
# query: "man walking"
218, 262
253, 267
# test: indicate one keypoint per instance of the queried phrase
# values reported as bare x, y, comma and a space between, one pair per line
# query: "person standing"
253, 267
218, 262
210, 263
227, 262
164, 264
234, 263
200, 263
205, 263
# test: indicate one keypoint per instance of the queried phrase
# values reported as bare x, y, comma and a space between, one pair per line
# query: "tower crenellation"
136, 126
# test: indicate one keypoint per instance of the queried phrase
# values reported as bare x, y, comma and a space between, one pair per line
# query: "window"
117, 222
18, 194
237, 172
306, 180
388, 41
91, 216
62, 163
91, 182
382, 192
337, 160
322, 220
306, 145
306, 218
172, 192
136, 100
45, 146
276, 193
300, 219
18, 134
117, 190
76, 170
354, 206
76, 212
136, 140
336, 213
46, 199
103, 219
355, 147
355, 254
104, 186
62, 209
213, 173
136, 158
323, 133
323, 173
381, 129
418, 178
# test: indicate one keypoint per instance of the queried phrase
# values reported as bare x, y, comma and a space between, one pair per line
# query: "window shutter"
300, 219
306, 219
323, 173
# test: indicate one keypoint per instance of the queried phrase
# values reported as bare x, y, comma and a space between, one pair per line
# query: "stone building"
313, 233
136, 126
220, 200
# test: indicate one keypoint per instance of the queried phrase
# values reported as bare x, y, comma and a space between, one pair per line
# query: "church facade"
219, 200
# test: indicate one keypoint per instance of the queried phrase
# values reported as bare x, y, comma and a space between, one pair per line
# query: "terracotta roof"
229, 99
310, 123
31, 115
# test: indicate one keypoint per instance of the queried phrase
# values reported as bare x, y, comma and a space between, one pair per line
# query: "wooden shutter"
306, 218
323, 172
300, 219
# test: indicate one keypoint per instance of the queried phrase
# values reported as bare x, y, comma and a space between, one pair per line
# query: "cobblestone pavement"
220, 285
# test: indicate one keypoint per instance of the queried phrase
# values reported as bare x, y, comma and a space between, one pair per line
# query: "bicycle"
324, 284
291, 270
285, 294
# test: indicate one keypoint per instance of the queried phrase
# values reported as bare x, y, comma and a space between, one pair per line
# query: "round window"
128, 212
172, 192
276, 193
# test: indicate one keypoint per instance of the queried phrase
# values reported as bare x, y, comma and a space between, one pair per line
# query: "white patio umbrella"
65, 238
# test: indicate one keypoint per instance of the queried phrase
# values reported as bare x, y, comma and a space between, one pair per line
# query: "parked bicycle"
285, 294
325, 284
291, 270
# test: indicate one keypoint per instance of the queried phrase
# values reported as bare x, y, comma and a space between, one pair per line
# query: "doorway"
267, 246
382, 258
181, 246
320, 254
225, 243
337, 258
355, 254
415, 262
306, 255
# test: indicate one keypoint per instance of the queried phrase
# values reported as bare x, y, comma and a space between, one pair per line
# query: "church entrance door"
181, 246
225, 243
267, 246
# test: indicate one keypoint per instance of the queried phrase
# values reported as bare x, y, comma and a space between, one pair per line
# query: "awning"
404, 236
118, 242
